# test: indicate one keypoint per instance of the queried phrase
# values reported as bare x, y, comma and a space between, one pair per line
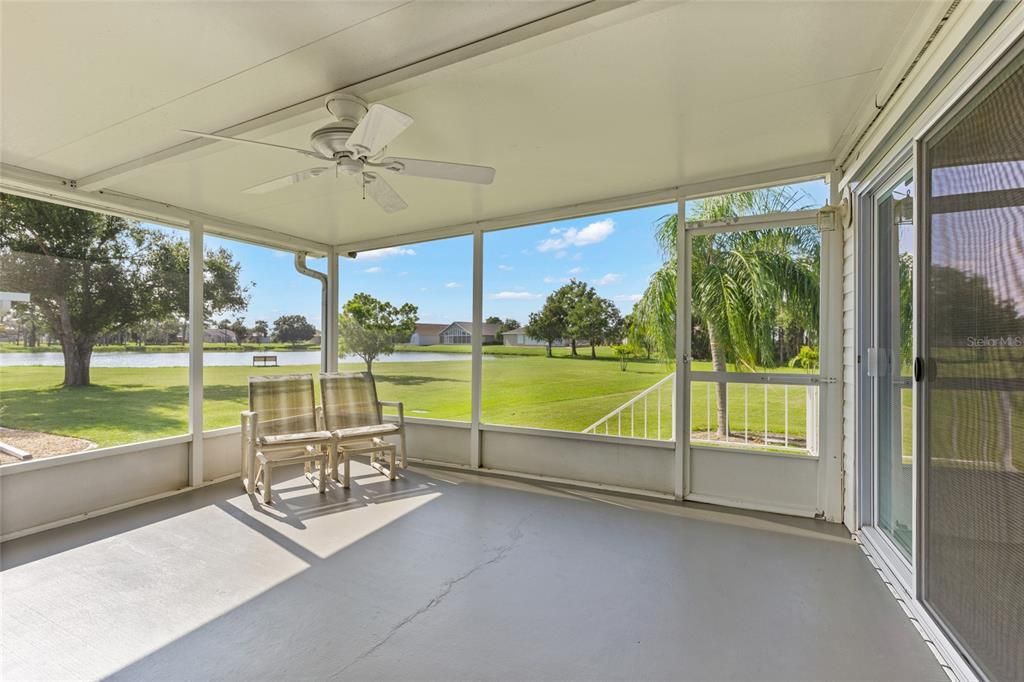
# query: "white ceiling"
638, 99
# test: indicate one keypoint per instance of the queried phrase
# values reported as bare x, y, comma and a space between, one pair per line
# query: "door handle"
918, 369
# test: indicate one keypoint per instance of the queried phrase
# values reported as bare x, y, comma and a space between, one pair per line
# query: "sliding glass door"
971, 412
891, 361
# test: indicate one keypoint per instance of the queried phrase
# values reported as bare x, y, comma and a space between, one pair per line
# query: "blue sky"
614, 252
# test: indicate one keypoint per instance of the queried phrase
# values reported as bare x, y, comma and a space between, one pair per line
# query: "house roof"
430, 328
519, 330
488, 329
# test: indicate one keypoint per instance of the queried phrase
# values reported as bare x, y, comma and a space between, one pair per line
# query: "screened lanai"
703, 448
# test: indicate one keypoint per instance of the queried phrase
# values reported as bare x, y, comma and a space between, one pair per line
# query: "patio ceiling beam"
365, 88
735, 183
46, 187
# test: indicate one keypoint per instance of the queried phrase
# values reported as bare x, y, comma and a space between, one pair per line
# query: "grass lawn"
526, 389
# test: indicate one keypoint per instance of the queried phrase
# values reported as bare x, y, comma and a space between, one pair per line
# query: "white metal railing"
641, 403
642, 415
758, 433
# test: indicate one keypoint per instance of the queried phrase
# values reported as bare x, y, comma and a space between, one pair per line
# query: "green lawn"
525, 389
521, 387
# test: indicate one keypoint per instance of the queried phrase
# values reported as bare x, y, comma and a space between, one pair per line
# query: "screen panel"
973, 400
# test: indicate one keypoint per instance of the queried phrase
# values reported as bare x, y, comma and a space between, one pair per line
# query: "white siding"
849, 377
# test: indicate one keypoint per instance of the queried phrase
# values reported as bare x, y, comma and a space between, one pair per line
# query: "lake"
215, 359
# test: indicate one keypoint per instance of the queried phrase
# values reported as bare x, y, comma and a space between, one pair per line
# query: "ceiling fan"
355, 143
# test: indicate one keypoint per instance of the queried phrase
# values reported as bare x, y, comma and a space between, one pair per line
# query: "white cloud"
375, 268
387, 253
506, 268
452, 285
576, 270
565, 237
628, 297
610, 278
514, 296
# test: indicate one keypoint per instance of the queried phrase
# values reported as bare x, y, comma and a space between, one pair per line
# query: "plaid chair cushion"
349, 399
284, 403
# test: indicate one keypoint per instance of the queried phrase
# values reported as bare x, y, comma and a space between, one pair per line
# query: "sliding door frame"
869, 309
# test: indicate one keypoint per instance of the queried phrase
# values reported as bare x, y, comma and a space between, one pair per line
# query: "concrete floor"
440, 576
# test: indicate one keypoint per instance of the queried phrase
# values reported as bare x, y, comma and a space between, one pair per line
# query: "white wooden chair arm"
397, 404
250, 424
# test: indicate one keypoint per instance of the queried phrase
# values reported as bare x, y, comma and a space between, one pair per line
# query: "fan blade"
381, 192
377, 129
262, 144
286, 181
441, 170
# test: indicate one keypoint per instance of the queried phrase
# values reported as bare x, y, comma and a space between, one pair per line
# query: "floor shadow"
287, 507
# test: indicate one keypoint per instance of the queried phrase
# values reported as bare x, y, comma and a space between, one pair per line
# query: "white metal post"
830, 391
330, 325
681, 402
196, 325
477, 347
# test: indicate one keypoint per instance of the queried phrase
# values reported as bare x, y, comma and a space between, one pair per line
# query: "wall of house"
970, 40
425, 339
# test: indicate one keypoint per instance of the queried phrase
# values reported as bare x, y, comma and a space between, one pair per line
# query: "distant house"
462, 333
427, 334
519, 337
217, 335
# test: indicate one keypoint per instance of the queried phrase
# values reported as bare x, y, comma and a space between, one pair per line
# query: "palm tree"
741, 282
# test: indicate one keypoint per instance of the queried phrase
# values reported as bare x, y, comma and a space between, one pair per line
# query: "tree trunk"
593, 351
76, 348
572, 343
77, 359
721, 392
549, 349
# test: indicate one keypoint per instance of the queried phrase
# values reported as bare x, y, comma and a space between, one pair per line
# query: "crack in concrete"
499, 553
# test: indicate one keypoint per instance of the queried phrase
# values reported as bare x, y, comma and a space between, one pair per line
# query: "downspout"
302, 268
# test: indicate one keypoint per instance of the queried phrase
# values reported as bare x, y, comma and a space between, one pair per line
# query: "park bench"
264, 361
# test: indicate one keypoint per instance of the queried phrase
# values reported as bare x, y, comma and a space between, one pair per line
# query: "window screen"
973, 400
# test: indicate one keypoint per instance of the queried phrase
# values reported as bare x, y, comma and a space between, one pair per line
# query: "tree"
91, 274
741, 280
548, 325
563, 300
28, 323
623, 352
637, 340
596, 319
293, 329
241, 331
260, 330
505, 325
369, 327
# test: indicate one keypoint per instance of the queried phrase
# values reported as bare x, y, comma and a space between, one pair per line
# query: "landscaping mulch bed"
40, 444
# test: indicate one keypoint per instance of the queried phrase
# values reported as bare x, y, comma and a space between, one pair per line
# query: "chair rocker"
279, 428
354, 417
